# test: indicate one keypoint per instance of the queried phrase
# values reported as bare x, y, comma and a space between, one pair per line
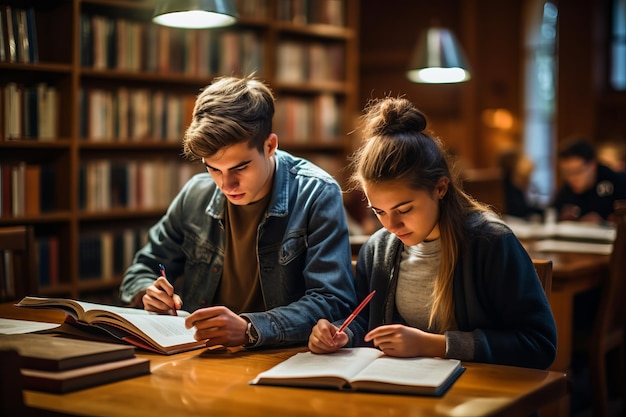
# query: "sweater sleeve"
503, 314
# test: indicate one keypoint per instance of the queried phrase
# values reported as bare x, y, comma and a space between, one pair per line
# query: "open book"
364, 369
158, 333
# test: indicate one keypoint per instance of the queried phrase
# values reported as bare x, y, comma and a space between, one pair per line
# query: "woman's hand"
405, 342
325, 338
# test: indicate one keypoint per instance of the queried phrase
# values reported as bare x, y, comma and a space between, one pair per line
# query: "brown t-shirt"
240, 288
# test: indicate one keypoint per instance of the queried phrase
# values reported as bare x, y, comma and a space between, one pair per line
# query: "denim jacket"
303, 251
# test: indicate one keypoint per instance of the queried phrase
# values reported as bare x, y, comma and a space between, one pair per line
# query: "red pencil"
356, 312
162, 268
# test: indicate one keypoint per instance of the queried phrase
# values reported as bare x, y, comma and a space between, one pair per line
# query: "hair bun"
394, 116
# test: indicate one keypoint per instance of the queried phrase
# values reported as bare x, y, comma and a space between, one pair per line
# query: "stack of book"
59, 364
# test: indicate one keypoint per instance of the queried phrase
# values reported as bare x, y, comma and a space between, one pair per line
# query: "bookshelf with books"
94, 105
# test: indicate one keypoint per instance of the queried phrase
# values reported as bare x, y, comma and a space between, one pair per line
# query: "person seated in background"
589, 188
516, 169
612, 154
260, 240
451, 279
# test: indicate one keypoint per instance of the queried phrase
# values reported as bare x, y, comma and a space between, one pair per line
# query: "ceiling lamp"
438, 59
195, 14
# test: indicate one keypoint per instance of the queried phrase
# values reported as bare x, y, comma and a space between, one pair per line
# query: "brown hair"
397, 149
231, 110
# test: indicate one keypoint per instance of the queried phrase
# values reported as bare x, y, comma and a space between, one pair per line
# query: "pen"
162, 268
356, 312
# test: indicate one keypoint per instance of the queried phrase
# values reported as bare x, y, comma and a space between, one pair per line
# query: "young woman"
451, 279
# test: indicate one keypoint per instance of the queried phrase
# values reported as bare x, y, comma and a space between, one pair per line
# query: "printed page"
551, 245
342, 364
120, 310
165, 330
427, 372
11, 326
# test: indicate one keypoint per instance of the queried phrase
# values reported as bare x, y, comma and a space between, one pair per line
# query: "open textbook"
158, 333
565, 230
364, 369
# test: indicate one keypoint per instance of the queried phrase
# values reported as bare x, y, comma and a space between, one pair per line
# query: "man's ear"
270, 145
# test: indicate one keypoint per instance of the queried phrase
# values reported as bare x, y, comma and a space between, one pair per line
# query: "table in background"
572, 274
203, 383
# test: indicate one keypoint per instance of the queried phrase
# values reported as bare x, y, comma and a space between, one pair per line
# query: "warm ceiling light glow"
438, 59
195, 14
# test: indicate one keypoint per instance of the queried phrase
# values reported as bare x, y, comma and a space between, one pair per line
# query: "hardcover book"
85, 377
364, 369
159, 333
50, 353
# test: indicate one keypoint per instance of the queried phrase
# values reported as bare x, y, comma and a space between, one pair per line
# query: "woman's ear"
442, 187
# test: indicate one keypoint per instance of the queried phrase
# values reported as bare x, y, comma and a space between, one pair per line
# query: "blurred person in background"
516, 169
589, 188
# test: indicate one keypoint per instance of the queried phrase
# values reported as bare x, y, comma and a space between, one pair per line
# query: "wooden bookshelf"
93, 109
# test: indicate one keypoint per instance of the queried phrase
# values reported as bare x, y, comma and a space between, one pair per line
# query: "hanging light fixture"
195, 14
438, 59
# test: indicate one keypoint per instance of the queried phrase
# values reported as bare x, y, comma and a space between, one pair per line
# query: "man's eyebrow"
239, 165
394, 207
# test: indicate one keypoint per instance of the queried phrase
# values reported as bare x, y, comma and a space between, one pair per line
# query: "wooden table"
204, 383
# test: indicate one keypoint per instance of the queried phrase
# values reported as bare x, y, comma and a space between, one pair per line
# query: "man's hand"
160, 297
218, 326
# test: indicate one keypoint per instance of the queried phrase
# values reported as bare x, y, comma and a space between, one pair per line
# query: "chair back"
611, 316
544, 272
18, 264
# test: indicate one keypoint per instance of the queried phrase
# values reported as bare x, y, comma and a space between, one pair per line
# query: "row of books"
29, 112
26, 189
18, 35
298, 62
106, 184
47, 264
298, 120
328, 12
115, 43
131, 115
106, 254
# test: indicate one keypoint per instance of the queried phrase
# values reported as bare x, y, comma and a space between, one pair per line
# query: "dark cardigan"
502, 313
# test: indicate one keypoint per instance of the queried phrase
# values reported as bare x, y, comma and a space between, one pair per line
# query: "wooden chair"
608, 335
18, 266
544, 271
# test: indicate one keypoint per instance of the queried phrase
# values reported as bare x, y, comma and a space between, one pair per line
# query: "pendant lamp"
195, 14
438, 59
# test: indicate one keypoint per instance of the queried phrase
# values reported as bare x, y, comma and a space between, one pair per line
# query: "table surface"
202, 382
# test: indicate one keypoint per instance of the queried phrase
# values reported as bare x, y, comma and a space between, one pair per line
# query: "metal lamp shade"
195, 14
438, 58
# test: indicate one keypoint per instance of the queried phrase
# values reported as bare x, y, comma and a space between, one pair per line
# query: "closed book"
49, 353
85, 377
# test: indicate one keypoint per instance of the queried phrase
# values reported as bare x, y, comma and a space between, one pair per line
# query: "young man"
260, 241
590, 189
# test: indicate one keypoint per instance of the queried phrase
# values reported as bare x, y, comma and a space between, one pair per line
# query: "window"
618, 45
540, 70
